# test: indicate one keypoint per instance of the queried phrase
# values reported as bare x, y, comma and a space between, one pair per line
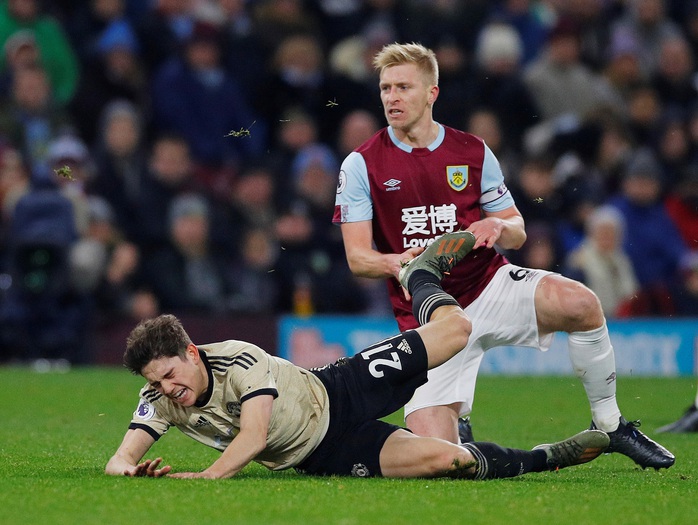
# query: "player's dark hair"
162, 336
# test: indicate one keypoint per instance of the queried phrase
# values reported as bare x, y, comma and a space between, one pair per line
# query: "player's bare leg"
405, 455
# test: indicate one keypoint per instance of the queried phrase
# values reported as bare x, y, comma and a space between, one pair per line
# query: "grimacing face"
180, 379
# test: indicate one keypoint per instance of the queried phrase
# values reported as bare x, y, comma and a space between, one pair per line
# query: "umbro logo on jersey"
392, 184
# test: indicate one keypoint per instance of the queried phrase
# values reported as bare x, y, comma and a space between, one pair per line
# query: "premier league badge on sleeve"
145, 411
341, 182
457, 177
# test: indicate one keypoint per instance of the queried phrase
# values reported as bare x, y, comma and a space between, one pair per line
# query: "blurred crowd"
182, 155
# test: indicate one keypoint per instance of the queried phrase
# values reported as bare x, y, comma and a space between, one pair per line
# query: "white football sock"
594, 363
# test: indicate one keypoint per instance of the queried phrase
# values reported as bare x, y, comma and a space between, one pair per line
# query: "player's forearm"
243, 449
513, 233
373, 264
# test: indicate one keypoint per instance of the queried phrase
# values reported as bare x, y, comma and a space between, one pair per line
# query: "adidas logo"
201, 422
404, 346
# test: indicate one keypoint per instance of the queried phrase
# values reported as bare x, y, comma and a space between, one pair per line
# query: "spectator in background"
532, 29
296, 130
113, 71
644, 113
579, 185
275, 21
614, 148
162, 29
30, 119
55, 51
486, 124
190, 274
498, 82
312, 261
441, 24
675, 76
621, 69
339, 20
534, 190
454, 77
601, 263
652, 240
252, 201
594, 18
20, 51
682, 206
169, 174
72, 168
540, 249
41, 316
256, 288
300, 79
193, 95
115, 264
351, 58
87, 23
562, 86
243, 54
120, 163
672, 145
355, 129
646, 21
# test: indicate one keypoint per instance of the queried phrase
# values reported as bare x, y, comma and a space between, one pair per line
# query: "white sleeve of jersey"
495, 195
353, 190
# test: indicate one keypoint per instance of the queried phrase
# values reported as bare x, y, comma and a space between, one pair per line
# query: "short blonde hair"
399, 54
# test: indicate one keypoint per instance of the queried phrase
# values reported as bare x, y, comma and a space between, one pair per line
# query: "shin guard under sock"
594, 363
427, 295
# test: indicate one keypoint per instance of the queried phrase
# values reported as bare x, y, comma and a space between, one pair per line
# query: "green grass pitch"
58, 430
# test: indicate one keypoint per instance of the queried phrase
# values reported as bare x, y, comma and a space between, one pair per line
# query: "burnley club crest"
457, 177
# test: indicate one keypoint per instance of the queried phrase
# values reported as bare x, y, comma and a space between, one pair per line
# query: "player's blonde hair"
399, 54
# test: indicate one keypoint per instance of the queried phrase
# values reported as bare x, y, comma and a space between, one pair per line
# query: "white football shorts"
503, 315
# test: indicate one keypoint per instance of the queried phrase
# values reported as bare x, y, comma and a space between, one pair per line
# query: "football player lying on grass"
252, 406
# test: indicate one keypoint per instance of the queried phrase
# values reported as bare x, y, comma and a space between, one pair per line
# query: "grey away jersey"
238, 371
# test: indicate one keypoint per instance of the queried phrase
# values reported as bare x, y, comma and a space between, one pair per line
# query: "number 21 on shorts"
375, 364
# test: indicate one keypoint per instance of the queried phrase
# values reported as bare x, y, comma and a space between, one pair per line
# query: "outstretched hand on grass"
149, 468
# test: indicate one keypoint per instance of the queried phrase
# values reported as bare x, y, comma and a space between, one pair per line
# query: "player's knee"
460, 325
583, 308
